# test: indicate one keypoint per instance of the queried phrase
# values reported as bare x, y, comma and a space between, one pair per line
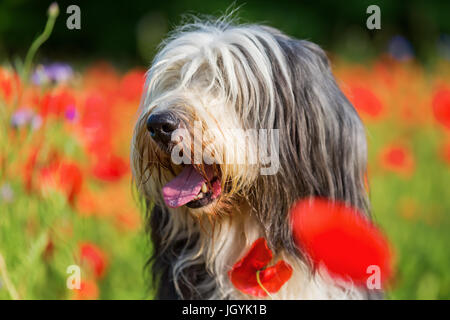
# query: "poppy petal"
341, 238
257, 257
273, 278
244, 272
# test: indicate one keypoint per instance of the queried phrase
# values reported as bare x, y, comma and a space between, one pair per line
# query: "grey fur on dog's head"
246, 76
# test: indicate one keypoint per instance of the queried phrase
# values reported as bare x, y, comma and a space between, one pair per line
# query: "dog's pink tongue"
183, 188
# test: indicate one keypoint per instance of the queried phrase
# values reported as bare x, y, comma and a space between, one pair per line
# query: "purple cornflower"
6, 193
400, 48
22, 117
70, 113
25, 116
55, 72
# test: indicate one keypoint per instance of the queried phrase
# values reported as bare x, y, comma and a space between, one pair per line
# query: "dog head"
243, 114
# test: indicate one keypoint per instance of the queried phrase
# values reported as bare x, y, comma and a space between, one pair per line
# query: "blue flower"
22, 117
400, 48
52, 73
6, 194
25, 116
70, 113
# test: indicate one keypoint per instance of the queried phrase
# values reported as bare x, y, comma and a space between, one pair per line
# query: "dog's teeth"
198, 197
204, 188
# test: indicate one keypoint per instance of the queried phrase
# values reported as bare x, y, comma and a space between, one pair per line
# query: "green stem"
261, 285
53, 14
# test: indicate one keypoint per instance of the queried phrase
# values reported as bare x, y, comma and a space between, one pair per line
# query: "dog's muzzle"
161, 126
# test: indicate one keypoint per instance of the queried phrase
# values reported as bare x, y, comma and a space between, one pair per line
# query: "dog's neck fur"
198, 266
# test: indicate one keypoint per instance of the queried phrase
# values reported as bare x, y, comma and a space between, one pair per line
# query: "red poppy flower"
253, 265
132, 84
70, 180
5, 86
96, 124
110, 168
64, 176
366, 102
94, 257
397, 158
9, 84
340, 238
441, 107
56, 103
88, 291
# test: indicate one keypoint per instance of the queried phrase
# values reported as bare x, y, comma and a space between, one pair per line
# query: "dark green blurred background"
126, 32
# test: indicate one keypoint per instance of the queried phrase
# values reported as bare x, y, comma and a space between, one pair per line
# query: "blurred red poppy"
110, 168
56, 103
94, 257
132, 84
9, 83
341, 239
246, 271
65, 176
365, 102
96, 124
71, 180
397, 158
441, 107
88, 291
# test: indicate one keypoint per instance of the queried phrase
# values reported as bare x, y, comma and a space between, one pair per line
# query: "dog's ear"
338, 149
322, 143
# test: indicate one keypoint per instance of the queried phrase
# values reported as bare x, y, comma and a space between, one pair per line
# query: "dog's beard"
204, 169
198, 188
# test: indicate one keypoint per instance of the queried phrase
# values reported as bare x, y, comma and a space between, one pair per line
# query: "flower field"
66, 196
65, 182
406, 110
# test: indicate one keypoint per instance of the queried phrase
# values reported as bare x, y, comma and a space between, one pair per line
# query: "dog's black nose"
161, 126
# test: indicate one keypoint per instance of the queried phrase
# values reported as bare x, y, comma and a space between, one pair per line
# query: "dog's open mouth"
190, 188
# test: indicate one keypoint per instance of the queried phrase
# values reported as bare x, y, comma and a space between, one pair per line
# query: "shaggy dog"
258, 121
